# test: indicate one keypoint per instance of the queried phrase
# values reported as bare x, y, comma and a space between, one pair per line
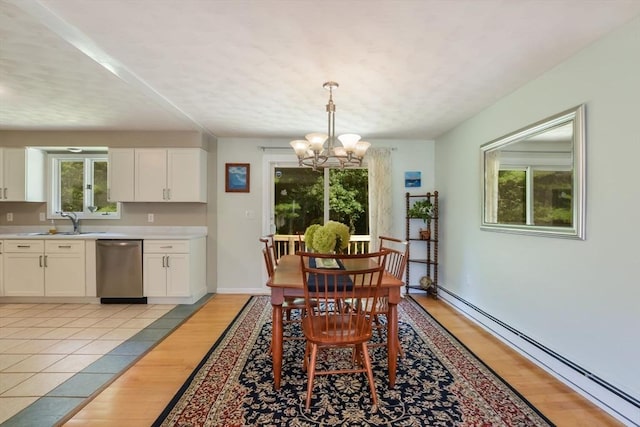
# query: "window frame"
53, 195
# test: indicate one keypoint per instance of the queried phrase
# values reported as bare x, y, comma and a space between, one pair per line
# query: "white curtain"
492, 168
380, 202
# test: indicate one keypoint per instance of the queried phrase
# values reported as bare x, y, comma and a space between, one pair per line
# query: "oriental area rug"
439, 382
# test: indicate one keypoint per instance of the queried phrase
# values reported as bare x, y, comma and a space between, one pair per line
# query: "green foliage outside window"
552, 198
299, 199
512, 197
73, 185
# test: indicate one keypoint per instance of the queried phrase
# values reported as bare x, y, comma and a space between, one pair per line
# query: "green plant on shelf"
422, 209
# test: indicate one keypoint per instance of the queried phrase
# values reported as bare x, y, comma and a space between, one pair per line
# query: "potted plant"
422, 209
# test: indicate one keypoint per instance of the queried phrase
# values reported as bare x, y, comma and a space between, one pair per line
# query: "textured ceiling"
406, 69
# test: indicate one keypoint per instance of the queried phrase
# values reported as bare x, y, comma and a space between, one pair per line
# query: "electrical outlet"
150, 217
42, 217
9, 216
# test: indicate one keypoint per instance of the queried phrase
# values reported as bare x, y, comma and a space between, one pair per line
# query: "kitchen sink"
71, 233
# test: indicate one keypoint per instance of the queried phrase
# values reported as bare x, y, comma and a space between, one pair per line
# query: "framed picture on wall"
412, 179
237, 177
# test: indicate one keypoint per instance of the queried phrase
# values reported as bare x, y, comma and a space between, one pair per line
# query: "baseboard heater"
563, 360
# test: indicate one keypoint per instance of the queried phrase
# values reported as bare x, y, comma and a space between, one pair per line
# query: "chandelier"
319, 150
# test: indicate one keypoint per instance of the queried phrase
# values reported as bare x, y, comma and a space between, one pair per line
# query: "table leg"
392, 340
276, 344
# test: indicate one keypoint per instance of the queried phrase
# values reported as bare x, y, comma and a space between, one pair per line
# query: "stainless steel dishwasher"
119, 271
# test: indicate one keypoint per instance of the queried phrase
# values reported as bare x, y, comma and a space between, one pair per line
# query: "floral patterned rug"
439, 383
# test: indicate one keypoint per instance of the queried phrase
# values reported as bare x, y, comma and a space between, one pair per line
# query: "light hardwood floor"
138, 396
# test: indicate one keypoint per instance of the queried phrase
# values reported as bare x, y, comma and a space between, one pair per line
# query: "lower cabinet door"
154, 275
64, 275
23, 274
178, 278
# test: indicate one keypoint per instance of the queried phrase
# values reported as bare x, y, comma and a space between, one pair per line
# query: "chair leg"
311, 373
376, 319
367, 364
305, 359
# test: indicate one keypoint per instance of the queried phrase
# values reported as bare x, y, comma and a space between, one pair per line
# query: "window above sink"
78, 183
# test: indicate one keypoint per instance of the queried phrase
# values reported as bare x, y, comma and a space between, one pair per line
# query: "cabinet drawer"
166, 246
64, 246
22, 246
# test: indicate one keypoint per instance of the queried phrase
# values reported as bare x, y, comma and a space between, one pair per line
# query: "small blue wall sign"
412, 179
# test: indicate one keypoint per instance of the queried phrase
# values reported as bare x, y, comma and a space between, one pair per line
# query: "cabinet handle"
64, 246
163, 261
168, 261
40, 260
45, 260
24, 246
166, 247
168, 194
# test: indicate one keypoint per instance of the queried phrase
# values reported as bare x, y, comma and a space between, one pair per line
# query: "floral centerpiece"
331, 237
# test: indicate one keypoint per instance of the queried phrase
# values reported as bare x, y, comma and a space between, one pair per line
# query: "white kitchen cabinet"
121, 174
44, 268
166, 268
174, 268
1, 269
23, 268
64, 268
22, 175
170, 175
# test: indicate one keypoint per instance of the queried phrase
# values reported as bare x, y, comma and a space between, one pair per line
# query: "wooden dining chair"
395, 264
330, 325
290, 303
302, 246
269, 242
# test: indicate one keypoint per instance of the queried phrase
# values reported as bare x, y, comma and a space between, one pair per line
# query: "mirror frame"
577, 230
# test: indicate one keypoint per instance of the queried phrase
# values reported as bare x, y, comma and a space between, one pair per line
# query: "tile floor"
54, 356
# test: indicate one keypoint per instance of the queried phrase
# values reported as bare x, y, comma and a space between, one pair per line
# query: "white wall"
240, 215
580, 299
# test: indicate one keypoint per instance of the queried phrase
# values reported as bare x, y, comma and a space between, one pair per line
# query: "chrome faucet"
74, 220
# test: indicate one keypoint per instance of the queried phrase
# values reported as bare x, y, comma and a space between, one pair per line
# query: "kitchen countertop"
148, 233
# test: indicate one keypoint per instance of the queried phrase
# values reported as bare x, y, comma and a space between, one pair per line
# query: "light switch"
42, 217
150, 217
9, 216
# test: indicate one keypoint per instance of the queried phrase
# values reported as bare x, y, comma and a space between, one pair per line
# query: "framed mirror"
534, 178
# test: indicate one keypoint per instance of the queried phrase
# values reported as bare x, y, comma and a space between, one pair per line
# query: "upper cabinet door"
157, 175
22, 171
186, 175
151, 175
121, 174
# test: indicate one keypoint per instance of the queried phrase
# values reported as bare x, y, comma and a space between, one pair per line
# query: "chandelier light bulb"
316, 140
361, 148
300, 146
349, 141
340, 152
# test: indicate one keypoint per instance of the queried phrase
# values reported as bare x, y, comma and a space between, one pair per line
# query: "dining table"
287, 282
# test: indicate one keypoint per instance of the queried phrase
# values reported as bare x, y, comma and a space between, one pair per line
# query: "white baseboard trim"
587, 385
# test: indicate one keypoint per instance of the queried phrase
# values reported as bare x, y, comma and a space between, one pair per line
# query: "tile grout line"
32, 413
